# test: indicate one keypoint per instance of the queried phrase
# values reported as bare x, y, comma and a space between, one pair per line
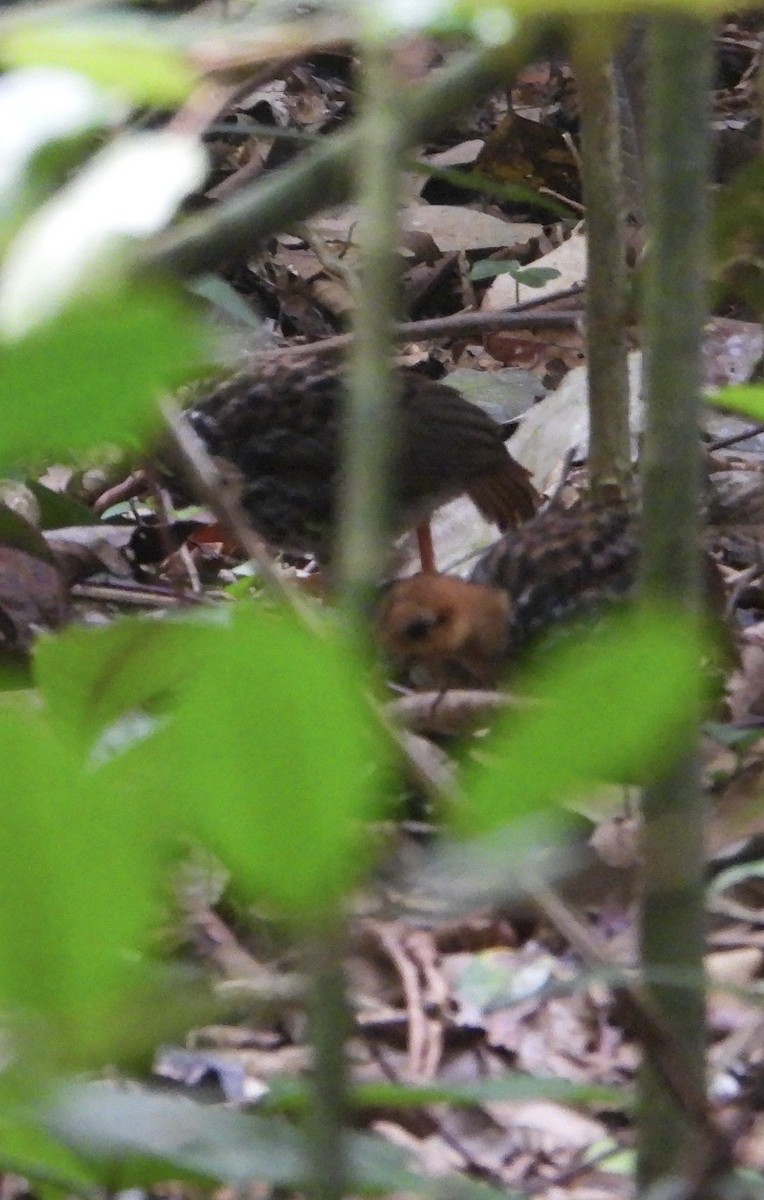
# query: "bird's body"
561, 566
280, 429
564, 565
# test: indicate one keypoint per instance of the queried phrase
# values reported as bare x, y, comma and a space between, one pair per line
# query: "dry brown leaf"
551, 1124
432, 1154
452, 227
750, 1148
617, 841
85, 549
735, 968
559, 423
745, 689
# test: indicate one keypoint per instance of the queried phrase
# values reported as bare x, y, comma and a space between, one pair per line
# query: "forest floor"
436, 995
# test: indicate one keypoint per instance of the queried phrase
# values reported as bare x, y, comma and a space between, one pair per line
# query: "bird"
278, 430
562, 565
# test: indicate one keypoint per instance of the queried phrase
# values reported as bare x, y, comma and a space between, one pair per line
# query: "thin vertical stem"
672, 915
329, 1026
629, 62
370, 425
606, 280
369, 445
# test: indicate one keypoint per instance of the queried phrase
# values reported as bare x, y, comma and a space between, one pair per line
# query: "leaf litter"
466, 1001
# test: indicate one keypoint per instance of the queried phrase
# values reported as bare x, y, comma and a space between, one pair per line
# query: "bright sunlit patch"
401, 15
130, 190
39, 105
494, 25
124, 56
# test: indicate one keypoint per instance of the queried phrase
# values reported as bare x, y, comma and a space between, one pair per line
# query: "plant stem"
370, 425
606, 292
328, 1031
363, 529
629, 63
672, 917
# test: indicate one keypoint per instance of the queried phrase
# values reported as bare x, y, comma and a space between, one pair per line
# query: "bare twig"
393, 944
428, 765
450, 712
734, 438
198, 467
135, 595
455, 326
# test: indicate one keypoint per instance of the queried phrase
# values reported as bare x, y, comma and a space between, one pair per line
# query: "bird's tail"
507, 497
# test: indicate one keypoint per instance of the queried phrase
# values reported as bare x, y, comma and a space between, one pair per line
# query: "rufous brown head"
437, 620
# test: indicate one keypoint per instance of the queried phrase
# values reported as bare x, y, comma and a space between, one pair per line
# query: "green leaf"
224, 298
28, 1150
266, 738
90, 678
93, 373
488, 269
57, 509
140, 67
141, 1138
272, 748
77, 882
17, 532
530, 276
535, 277
291, 1095
514, 1087
570, 9
747, 400
614, 705
609, 1155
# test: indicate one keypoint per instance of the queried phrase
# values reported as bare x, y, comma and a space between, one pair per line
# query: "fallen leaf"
735, 968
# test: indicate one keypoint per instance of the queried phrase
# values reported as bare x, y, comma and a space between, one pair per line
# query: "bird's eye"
419, 627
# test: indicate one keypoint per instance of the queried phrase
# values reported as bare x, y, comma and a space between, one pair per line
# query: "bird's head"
438, 620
